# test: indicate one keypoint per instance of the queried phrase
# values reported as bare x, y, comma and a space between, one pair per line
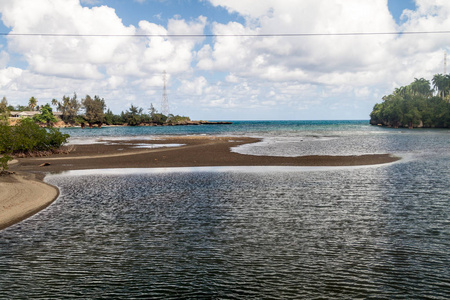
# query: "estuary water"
378, 232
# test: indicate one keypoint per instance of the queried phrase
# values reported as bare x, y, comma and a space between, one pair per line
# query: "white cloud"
233, 74
361, 66
76, 57
294, 58
4, 59
8, 75
92, 64
91, 2
194, 87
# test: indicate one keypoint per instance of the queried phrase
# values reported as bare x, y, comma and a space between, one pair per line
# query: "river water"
378, 232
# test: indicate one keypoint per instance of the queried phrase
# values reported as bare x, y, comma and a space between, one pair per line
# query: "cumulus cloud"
79, 55
225, 73
364, 67
301, 58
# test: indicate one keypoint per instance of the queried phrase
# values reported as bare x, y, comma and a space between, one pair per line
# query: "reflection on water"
380, 232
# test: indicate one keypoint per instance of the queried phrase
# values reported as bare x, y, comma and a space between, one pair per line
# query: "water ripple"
378, 233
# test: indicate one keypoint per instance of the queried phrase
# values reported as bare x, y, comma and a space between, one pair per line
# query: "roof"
30, 113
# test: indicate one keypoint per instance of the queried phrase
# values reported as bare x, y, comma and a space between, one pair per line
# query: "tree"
133, 116
69, 108
420, 87
177, 120
4, 110
152, 110
46, 115
414, 105
21, 108
95, 110
441, 84
155, 117
32, 104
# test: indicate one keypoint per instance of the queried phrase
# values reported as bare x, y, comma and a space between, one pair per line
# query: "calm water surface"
378, 232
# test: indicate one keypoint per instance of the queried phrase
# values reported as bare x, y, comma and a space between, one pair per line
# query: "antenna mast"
445, 62
165, 101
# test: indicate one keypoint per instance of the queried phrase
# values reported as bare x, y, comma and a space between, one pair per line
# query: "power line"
227, 35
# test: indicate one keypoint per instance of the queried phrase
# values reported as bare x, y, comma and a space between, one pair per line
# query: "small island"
416, 105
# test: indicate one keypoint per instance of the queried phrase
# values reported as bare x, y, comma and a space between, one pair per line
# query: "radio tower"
164, 100
445, 62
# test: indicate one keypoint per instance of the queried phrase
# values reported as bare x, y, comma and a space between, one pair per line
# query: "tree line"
90, 111
419, 104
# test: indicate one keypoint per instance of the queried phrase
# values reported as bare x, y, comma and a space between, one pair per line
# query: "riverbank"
23, 195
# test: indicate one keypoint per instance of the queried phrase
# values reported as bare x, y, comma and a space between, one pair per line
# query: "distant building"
29, 114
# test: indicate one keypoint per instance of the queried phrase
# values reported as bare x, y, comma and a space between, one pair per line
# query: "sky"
216, 75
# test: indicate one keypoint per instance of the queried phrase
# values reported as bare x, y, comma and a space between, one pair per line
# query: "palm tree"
32, 103
420, 87
402, 91
55, 102
441, 84
447, 85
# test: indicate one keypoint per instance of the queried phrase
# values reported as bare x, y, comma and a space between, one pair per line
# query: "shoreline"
18, 199
22, 196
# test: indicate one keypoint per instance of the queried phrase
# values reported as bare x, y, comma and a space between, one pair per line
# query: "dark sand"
198, 151
23, 195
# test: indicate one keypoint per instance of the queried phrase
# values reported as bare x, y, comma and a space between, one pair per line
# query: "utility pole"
164, 100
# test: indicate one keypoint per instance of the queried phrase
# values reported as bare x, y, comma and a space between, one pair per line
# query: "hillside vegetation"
416, 105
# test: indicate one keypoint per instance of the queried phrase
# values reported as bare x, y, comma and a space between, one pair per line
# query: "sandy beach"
23, 195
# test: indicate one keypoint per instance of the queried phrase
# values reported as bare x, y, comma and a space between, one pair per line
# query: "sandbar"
22, 196
196, 151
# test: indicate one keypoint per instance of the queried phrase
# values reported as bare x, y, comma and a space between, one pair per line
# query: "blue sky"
245, 78
396, 7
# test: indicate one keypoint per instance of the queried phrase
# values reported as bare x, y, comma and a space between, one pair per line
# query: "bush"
4, 162
27, 136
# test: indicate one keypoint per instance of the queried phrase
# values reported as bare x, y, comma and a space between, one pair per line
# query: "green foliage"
441, 84
414, 105
4, 110
69, 108
176, 120
112, 119
27, 136
46, 115
95, 110
20, 108
133, 116
32, 104
94, 113
4, 162
159, 119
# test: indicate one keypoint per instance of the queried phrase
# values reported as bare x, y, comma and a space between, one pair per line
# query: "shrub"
27, 136
4, 162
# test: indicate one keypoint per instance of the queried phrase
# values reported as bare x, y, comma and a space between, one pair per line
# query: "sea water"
380, 232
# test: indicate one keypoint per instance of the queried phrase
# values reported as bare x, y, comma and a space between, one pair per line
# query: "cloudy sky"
228, 68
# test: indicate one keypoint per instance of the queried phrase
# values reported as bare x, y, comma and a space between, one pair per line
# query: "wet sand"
23, 195
197, 151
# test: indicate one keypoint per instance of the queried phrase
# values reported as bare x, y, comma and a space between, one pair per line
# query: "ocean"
371, 232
